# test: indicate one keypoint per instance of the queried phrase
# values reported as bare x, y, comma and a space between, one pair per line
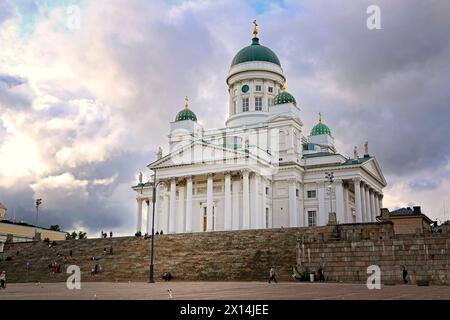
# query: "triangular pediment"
374, 169
199, 152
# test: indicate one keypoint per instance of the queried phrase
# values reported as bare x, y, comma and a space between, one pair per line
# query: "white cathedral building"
262, 170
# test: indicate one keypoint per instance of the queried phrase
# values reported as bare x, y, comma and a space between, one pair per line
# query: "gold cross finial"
320, 117
255, 29
186, 104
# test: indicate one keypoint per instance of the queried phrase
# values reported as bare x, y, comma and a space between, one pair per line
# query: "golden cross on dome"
186, 104
320, 117
255, 29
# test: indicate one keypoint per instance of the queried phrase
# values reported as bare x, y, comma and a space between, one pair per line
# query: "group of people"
50, 244
105, 235
96, 270
167, 276
146, 235
54, 267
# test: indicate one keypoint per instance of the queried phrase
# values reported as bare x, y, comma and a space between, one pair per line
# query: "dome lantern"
320, 128
186, 113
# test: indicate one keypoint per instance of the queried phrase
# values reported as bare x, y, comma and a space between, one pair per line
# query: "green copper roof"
255, 52
284, 97
186, 114
319, 129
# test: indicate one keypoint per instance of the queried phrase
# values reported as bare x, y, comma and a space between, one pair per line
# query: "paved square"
220, 291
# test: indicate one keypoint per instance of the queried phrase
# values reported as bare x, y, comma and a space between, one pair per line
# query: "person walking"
405, 275
3, 280
321, 275
110, 234
272, 275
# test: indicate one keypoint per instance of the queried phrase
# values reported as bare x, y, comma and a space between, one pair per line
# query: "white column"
189, 204
165, 214
293, 214
339, 201
358, 204
227, 204
322, 219
172, 206
149, 217
263, 202
157, 210
377, 206
301, 206
255, 216
265, 103
245, 200
368, 211
181, 223
363, 202
380, 199
347, 213
139, 215
209, 203
236, 190
290, 147
374, 207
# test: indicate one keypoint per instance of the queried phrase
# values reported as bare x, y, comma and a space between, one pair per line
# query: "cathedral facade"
262, 170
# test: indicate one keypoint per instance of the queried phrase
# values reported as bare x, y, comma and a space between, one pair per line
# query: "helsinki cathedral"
262, 170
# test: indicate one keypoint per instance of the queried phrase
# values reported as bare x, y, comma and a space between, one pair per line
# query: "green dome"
284, 97
319, 129
186, 114
255, 52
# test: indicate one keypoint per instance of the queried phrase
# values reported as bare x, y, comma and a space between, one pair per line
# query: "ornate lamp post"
38, 203
330, 178
155, 185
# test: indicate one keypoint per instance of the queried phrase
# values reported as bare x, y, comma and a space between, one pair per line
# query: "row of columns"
253, 208
368, 202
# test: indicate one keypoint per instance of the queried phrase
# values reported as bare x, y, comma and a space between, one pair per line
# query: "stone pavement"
220, 291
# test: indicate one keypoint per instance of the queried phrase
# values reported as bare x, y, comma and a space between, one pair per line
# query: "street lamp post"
330, 178
38, 203
155, 185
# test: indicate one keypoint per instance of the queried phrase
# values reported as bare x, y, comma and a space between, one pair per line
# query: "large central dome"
255, 52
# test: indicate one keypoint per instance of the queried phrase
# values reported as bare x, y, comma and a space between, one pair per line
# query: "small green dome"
284, 97
186, 114
255, 52
319, 129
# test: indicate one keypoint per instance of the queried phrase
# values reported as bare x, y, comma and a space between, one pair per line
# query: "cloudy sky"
88, 88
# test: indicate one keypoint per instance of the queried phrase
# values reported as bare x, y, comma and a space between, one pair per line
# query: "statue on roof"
159, 153
355, 153
366, 147
140, 177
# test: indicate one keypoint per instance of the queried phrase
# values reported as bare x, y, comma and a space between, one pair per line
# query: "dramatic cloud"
82, 110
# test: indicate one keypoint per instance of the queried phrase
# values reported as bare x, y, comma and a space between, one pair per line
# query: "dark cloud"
14, 92
388, 86
106, 207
